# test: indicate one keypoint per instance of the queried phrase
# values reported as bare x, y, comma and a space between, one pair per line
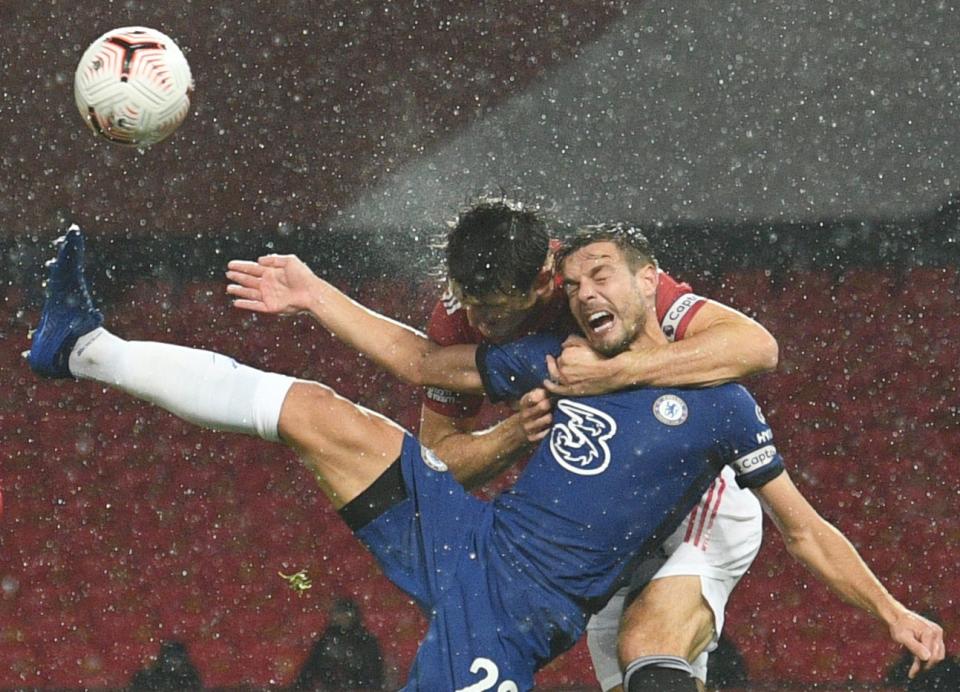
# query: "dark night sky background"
367, 114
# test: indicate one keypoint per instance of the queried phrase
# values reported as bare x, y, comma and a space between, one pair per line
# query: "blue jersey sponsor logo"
579, 444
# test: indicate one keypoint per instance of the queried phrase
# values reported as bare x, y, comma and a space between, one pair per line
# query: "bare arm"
720, 345
833, 559
473, 456
284, 285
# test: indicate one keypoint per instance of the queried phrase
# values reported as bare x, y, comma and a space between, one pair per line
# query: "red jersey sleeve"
448, 326
676, 306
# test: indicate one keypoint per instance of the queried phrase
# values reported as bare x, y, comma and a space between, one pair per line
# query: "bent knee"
302, 410
318, 422
670, 617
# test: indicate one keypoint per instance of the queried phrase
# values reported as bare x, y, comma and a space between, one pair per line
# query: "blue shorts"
491, 625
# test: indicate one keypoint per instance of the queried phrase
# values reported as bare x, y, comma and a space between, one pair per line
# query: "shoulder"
448, 324
676, 305
729, 397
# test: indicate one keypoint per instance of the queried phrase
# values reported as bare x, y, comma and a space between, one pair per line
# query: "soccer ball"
133, 86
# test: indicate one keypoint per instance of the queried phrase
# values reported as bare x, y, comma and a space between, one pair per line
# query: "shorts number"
490, 679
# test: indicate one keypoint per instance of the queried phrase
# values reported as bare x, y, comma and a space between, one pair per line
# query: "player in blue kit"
508, 584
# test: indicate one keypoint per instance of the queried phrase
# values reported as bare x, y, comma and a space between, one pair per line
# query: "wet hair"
628, 238
497, 246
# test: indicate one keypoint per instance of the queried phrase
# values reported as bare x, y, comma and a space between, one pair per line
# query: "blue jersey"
618, 471
509, 584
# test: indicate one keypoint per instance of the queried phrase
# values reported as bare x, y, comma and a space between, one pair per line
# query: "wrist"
891, 610
316, 296
627, 370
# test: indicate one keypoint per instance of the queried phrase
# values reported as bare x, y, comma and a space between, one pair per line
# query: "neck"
651, 335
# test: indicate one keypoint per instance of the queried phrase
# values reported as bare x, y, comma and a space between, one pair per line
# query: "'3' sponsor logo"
579, 443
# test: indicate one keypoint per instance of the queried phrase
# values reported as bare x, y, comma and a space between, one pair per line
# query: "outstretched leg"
346, 446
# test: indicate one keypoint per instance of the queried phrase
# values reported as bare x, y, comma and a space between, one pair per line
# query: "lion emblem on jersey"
579, 444
670, 410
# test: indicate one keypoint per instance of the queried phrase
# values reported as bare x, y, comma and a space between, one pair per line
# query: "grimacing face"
497, 316
608, 300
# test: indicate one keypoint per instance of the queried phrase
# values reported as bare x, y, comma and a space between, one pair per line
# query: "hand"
923, 638
535, 415
275, 284
580, 371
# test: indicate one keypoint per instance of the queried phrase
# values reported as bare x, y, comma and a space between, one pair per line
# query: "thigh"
422, 541
346, 446
471, 644
717, 542
457, 655
670, 617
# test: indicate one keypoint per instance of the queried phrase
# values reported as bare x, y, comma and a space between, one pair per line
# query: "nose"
586, 290
477, 321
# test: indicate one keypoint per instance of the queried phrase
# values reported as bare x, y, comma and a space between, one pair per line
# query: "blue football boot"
68, 310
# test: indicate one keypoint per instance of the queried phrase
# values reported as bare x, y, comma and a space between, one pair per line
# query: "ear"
648, 277
543, 283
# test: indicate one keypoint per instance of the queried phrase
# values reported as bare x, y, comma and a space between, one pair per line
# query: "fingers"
559, 389
553, 369
274, 260
539, 429
932, 639
245, 267
536, 400
914, 668
557, 384
575, 340
535, 414
244, 292
926, 645
249, 280
251, 305
940, 650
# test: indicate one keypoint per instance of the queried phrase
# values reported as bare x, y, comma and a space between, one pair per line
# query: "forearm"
723, 353
477, 457
397, 348
832, 558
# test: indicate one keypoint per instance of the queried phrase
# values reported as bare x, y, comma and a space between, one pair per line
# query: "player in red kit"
502, 287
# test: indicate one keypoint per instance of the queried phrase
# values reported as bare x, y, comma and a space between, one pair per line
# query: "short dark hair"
629, 238
497, 246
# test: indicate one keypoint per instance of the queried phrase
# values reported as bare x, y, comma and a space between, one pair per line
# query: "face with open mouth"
606, 298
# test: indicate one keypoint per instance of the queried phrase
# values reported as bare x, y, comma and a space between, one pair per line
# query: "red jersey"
448, 326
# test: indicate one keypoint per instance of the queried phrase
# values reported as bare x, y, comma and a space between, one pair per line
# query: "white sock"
199, 386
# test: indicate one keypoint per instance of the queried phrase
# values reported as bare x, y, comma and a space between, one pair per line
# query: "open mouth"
600, 321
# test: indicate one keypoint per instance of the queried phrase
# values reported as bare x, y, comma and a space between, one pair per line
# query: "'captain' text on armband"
755, 460
670, 324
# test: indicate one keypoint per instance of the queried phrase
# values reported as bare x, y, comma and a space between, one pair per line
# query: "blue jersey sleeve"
511, 370
756, 460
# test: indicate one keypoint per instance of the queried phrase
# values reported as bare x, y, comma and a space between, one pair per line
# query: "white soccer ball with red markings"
133, 86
